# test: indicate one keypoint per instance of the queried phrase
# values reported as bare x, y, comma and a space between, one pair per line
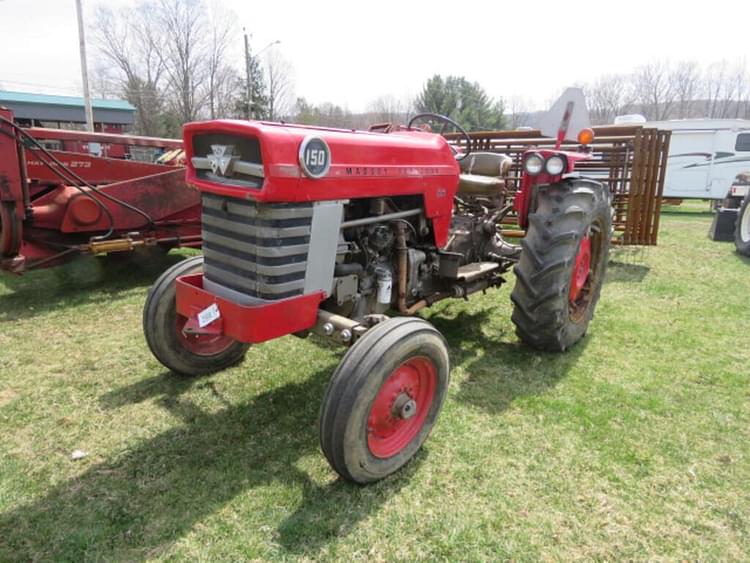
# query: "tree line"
178, 61
672, 90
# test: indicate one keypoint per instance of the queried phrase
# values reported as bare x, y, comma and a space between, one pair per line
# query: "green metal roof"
70, 101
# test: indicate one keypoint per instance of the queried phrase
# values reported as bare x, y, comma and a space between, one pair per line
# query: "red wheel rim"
201, 344
581, 269
401, 407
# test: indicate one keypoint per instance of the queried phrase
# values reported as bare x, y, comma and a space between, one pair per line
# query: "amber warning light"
586, 136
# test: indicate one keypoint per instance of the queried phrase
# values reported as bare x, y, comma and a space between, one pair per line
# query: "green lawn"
633, 445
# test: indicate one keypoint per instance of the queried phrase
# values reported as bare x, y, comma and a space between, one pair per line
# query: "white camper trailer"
708, 158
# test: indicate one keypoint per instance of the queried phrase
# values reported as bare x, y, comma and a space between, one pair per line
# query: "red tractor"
325, 230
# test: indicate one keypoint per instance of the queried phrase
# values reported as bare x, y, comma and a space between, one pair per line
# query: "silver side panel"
324, 238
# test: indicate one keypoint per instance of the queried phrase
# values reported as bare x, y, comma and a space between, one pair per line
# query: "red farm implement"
63, 193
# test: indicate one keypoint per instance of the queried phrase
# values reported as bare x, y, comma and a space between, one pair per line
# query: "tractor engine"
372, 258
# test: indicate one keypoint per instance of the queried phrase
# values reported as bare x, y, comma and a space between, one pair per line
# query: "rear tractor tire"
742, 228
190, 355
563, 263
383, 399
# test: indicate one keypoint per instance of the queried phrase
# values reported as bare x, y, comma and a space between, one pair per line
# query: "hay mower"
63, 193
310, 229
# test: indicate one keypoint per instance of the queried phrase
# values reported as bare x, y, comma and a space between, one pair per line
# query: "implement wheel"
384, 399
162, 327
562, 266
742, 229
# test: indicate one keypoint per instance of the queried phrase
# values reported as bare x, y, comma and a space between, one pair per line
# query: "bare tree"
686, 81
222, 79
280, 79
654, 91
184, 55
388, 109
743, 105
739, 90
172, 59
727, 90
520, 113
129, 44
607, 97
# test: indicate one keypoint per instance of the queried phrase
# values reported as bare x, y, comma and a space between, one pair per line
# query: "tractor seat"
483, 173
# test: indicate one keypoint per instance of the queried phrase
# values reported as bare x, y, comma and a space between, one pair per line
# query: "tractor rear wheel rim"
581, 269
585, 275
401, 407
201, 344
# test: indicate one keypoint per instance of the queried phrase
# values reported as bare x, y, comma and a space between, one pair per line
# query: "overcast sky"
350, 52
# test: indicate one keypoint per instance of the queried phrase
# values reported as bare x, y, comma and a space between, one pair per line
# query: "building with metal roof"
45, 110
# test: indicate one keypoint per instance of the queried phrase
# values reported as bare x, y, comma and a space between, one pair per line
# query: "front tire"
562, 266
742, 228
383, 399
190, 355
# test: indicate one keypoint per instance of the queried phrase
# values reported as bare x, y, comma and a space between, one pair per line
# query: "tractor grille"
259, 250
242, 166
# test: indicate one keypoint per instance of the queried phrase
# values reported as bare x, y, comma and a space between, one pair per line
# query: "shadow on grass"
136, 505
623, 272
500, 371
744, 259
85, 280
687, 211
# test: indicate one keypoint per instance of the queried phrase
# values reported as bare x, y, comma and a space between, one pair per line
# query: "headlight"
533, 164
555, 165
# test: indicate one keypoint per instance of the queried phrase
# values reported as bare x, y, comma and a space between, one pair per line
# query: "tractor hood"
276, 162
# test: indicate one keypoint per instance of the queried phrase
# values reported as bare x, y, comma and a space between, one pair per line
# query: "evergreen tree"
465, 102
258, 108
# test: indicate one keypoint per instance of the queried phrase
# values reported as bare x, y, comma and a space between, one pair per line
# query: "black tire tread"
564, 211
180, 362
348, 378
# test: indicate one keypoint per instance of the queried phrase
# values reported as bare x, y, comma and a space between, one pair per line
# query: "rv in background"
708, 158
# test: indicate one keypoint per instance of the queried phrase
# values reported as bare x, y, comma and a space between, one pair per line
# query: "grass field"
633, 445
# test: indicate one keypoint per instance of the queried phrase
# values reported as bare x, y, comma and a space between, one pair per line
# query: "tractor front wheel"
562, 266
384, 399
185, 354
742, 230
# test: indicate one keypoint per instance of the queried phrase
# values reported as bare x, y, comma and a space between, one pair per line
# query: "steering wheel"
446, 121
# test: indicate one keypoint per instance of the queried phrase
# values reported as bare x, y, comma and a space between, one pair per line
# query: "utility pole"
248, 84
84, 69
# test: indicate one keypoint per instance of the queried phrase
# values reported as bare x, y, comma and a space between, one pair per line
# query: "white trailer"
708, 159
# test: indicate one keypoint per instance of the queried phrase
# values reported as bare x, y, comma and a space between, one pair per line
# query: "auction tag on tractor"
208, 315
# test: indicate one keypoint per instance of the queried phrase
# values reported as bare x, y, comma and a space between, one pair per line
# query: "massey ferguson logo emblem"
221, 158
